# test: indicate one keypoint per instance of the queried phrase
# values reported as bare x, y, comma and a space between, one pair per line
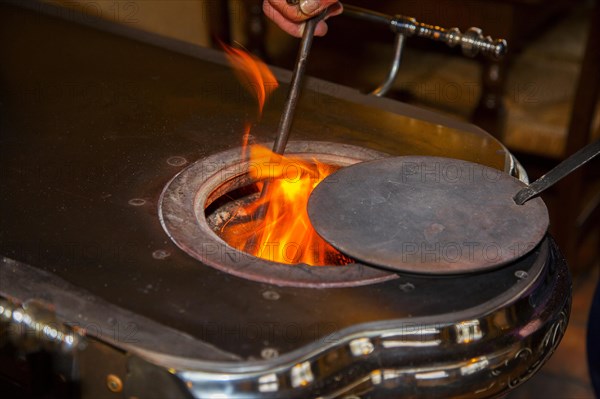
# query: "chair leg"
571, 189
490, 113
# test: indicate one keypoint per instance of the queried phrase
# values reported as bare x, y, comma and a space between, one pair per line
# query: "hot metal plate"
427, 215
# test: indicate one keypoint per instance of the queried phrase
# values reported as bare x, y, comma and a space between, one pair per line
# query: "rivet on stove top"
161, 254
521, 274
407, 287
137, 202
177, 161
271, 295
114, 383
269, 353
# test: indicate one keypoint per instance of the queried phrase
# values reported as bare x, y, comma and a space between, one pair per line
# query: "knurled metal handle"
472, 41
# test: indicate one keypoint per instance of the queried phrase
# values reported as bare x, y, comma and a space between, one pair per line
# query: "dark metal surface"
563, 169
427, 215
489, 348
93, 125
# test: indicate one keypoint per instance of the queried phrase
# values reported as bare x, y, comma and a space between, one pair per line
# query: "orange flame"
253, 73
285, 235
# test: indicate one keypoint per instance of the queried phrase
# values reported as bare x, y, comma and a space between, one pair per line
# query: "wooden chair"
579, 194
517, 21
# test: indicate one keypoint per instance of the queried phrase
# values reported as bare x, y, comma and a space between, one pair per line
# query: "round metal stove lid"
427, 215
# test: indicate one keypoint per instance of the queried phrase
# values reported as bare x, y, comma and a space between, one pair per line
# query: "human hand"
290, 15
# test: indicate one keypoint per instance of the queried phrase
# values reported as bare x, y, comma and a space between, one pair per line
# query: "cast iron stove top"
96, 120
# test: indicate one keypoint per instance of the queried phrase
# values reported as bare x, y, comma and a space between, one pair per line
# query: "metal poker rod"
291, 102
563, 169
289, 108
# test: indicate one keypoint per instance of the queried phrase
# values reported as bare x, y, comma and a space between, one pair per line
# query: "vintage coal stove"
119, 152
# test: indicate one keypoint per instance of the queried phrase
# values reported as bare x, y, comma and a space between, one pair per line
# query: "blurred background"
541, 101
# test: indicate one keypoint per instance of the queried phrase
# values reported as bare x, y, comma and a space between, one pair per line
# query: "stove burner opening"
200, 207
284, 234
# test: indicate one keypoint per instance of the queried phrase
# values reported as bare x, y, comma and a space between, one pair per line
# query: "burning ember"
276, 226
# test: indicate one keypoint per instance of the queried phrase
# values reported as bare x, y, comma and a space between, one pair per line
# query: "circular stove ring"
182, 214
